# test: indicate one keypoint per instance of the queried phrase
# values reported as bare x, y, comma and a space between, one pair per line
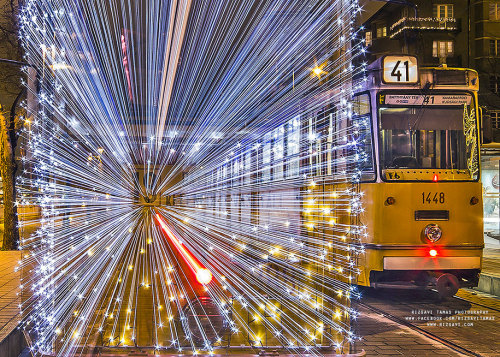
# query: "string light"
217, 126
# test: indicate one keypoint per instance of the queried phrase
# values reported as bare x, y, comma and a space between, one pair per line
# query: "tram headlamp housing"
433, 232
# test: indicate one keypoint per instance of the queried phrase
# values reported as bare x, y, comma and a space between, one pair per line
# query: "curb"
489, 284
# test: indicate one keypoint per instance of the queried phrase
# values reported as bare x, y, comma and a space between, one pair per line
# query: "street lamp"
317, 71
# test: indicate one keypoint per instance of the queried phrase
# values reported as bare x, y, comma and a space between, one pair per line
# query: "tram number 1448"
432, 197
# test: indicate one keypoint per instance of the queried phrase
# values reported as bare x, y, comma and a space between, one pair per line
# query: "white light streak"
206, 112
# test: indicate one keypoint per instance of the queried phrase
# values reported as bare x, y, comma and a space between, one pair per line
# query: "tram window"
293, 146
266, 158
313, 152
361, 118
427, 137
257, 158
278, 153
320, 147
248, 166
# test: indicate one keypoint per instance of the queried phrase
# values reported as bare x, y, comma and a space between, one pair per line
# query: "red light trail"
203, 275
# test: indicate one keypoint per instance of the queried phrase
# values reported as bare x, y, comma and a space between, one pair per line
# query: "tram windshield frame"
411, 139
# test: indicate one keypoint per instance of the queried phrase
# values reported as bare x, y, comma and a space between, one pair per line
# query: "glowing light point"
433, 252
317, 71
204, 276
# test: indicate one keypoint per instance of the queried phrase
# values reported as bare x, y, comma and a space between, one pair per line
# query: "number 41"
397, 73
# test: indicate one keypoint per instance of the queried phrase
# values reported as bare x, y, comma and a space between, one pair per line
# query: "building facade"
458, 33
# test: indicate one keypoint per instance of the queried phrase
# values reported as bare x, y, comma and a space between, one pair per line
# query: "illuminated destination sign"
410, 99
400, 69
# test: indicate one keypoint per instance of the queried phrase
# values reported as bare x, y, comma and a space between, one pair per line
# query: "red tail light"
435, 178
433, 252
202, 274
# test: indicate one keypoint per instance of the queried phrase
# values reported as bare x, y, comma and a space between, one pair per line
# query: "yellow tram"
288, 204
422, 194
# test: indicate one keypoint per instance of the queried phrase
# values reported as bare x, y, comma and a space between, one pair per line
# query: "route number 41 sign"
400, 69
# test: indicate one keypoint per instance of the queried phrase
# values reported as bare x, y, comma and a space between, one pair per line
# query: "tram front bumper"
431, 263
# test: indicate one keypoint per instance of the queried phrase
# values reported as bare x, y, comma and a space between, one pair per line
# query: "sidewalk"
11, 340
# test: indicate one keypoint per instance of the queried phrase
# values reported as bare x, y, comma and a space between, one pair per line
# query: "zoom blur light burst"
195, 166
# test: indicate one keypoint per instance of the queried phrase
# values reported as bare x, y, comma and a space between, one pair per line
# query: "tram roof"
429, 78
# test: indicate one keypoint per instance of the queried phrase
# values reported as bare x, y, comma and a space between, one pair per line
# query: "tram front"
423, 205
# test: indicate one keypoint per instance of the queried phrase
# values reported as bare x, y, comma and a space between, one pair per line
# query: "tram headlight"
433, 232
474, 200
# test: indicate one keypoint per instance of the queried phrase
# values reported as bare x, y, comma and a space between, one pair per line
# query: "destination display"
413, 100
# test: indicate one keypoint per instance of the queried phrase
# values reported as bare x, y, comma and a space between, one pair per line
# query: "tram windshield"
433, 132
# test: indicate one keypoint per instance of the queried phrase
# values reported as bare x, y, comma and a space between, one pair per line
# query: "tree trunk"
8, 172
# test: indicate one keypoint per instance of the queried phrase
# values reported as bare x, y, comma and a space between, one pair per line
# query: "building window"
494, 47
442, 11
495, 84
368, 38
495, 119
494, 10
381, 31
442, 49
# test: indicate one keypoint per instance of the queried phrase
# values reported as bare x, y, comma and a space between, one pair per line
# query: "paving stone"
9, 283
390, 353
373, 343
